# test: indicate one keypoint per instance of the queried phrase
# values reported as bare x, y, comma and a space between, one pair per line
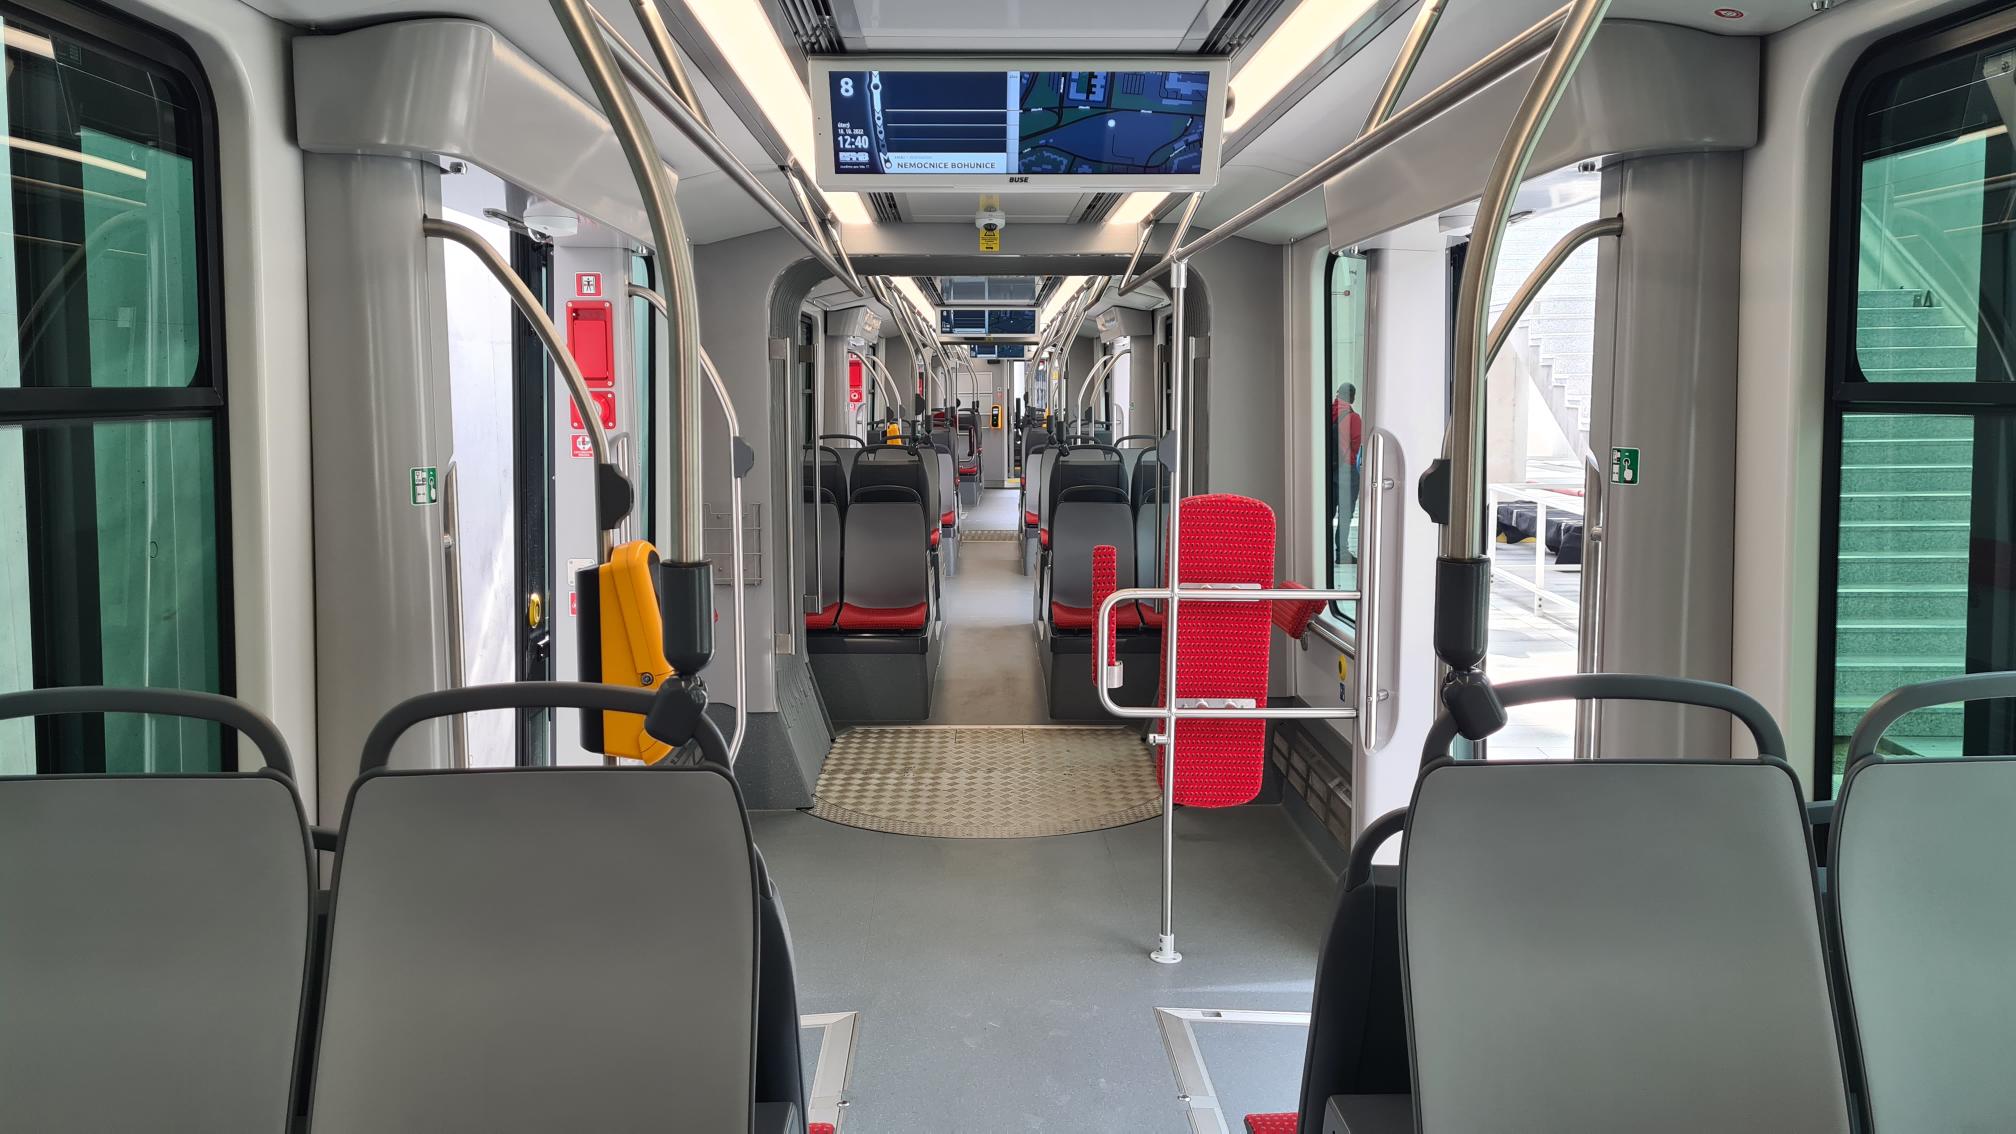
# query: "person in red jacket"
1349, 432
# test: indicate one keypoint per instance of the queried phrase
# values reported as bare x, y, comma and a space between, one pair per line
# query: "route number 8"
846, 88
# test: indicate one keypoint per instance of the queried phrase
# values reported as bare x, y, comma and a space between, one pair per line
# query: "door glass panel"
109, 576
1345, 298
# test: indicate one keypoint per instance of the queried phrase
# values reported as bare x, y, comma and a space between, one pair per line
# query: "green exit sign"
426, 486
1623, 465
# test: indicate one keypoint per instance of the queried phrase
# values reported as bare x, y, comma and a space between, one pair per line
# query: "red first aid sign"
588, 285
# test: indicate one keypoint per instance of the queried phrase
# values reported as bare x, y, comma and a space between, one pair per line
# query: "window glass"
1920, 559
1934, 231
103, 216
111, 560
109, 576
1343, 394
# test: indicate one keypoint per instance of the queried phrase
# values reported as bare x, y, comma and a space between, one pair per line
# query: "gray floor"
1005, 986
990, 673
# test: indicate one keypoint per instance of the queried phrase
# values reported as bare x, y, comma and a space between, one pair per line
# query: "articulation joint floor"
988, 781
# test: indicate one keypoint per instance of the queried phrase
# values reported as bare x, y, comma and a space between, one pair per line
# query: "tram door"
516, 496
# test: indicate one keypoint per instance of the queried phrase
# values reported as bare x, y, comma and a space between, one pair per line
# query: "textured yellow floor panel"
988, 782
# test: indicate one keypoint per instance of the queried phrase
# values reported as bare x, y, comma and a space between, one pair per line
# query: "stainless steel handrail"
585, 30
1466, 535
1371, 540
1509, 57
652, 20
528, 305
632, 66
1425, 20
880, 375
737, 571
1099, 370
1102, 637
451, 558
1589, 624
1128, 280
1567, 246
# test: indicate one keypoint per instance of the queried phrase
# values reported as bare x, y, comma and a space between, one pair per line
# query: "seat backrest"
1357, 1015
1150, 526
1032, 478
1616, 945
1922, 855
896, 467
948, 481
887, 566
604, 919
826, 471
154, 935
1149, 477
1083, 466
1086, 518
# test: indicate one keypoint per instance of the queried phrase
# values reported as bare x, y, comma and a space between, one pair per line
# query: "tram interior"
1341, 566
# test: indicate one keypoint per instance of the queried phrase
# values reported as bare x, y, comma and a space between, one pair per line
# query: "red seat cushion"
1126, 616
1293, 616
819, 1128
1151, 617
883, 618
969, 470
1031, 519
949, 518
1271, 1123
824, 619
934, 536
1043, 536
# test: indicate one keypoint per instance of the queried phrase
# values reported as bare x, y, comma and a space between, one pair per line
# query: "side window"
1340, 409
112, 541
1921, 504
645, 331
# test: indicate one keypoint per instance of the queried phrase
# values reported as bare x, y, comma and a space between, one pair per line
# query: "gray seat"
539, 949
1613, 945
154, 935
1082, 524
1922, 859
885, 579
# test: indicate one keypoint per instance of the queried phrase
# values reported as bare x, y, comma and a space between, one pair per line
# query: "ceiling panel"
1033, 208
1026, 25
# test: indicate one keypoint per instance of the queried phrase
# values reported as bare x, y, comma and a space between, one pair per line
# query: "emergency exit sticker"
426, 486
588, 285
1623, 465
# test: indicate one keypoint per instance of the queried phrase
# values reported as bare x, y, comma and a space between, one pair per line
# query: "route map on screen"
1102, 123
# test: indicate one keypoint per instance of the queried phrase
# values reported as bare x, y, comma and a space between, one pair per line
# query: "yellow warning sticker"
990, 240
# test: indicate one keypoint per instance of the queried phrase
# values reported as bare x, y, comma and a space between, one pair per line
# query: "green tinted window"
111, 568
1922, 434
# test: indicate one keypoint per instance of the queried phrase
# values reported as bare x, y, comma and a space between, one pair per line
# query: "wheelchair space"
1005, 984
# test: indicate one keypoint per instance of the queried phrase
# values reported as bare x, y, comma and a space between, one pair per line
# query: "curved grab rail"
480, 698
93, 700
1626, 687
1944, 691
1359, 867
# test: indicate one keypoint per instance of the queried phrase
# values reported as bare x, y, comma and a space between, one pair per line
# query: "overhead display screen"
1000, 350
987, 320
919, 123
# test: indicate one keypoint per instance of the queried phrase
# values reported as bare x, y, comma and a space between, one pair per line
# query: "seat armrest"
1369, 1114
776, 1118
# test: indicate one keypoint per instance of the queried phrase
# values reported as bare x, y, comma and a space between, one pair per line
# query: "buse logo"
1018, 181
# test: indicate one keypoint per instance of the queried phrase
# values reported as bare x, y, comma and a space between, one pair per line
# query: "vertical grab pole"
1462, 569
1165, 949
